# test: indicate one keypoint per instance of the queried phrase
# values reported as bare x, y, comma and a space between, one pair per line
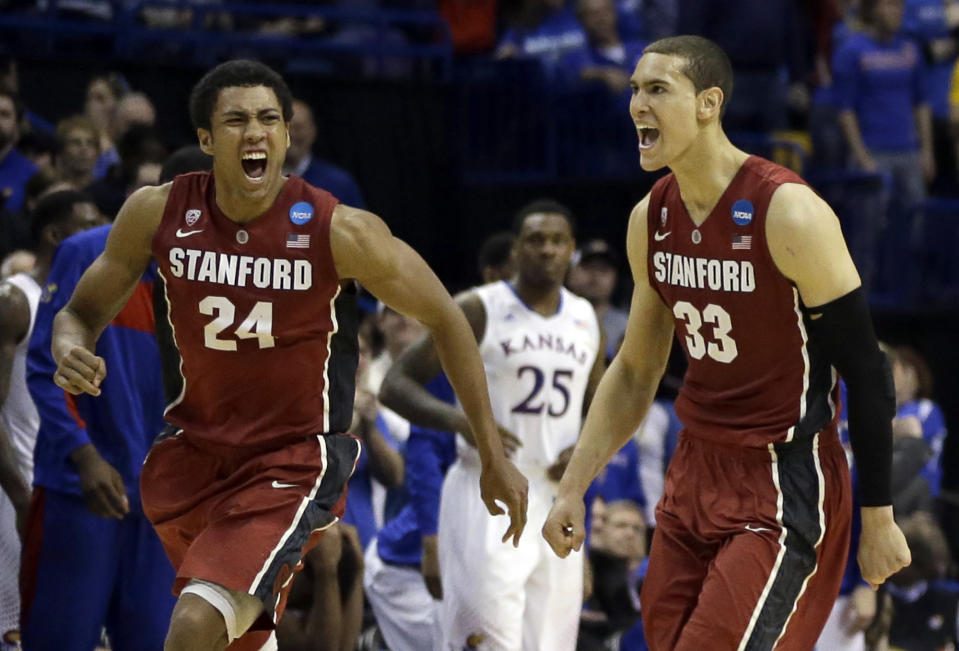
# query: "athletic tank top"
754, 375
19, 415
537, 369
258, 338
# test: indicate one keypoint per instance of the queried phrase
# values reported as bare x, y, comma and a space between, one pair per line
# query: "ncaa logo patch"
663, 213
301, 213
192, 216
742, 212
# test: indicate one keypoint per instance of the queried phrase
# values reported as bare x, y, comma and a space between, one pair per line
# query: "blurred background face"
906, 380
598, 18
625, 532
135, 108
398, 331
100, 103
597, 534
594, 279
8, 122
544, 249
80, 151
887, 16
302, 133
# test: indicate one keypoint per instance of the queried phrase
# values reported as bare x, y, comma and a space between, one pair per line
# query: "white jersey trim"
822, 532
296, 519
779, 557
804, 349
169, 311
326, 363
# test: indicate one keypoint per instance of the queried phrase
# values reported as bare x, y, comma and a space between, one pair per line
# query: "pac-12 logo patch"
742, 212
301, 213
663, 214
192, 216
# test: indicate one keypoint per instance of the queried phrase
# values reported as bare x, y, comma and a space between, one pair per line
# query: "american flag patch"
740, 242
301, 241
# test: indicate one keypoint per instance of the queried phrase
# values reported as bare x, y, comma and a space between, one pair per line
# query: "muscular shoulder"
14, 314
360, 241
150, 199
137, 222
795, 210
636, 235
807, 245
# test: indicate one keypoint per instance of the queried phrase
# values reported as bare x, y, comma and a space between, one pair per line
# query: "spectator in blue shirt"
15, 168
380, 458
543, 30
916, 414
605, 57
86, 521
316, 171
885, 117
934, 28
884, 110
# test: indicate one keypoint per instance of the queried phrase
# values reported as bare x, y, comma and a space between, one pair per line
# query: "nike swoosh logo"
660, 237
277, 484
753, 529
182, 233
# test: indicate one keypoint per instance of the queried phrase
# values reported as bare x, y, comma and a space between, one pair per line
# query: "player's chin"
650, 163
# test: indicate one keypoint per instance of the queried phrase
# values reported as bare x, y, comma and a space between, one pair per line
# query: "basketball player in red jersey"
260, 322
749, 266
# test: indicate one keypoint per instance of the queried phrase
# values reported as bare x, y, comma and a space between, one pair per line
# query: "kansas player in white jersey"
540, 347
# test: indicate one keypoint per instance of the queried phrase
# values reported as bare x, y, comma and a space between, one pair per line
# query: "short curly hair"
237, 73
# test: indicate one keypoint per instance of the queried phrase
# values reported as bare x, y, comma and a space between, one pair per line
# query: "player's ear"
709, 103
289, 140
206, 141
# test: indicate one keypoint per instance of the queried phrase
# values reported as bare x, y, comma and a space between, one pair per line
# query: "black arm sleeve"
844, 330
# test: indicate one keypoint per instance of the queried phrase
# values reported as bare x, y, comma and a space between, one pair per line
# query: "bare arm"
14, 323
103, 291
386, 464
635, 373
858, 149
927, 155
403, 388
595, 373
364, 249
807, 246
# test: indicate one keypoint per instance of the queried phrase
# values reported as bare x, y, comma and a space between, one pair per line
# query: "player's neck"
542, 300
240, 207
705, 171
41, 266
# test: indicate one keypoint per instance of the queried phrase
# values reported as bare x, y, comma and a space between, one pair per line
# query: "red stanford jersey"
754, 376
266, 340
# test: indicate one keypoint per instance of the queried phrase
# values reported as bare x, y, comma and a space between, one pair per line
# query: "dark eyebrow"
242, 114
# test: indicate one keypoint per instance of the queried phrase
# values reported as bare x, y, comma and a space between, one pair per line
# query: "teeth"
254, 155
643, 126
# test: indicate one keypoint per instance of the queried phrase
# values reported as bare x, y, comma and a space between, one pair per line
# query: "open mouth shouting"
254, 166
648, 136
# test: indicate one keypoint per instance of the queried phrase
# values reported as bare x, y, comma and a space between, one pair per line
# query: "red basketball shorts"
750, 546
245, 520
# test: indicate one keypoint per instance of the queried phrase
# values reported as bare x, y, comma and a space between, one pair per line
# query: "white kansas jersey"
537, 368
18, 414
